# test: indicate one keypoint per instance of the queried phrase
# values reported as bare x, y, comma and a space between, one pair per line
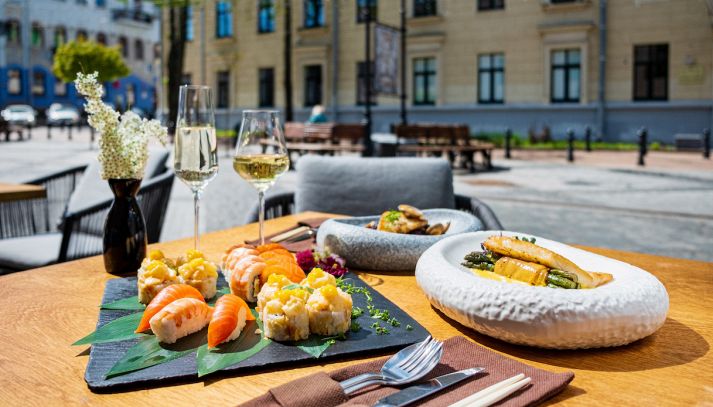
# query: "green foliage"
87, 57
519, 142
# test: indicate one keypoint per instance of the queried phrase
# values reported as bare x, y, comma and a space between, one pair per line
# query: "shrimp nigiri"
229, 318
245, 277
165, 297
180, 318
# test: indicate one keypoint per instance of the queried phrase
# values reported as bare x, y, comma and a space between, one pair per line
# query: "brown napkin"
296, 246
322, 389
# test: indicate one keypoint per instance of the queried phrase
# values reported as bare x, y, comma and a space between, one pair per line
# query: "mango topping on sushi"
319, 278
330, 298
159, 270
278, 280
198, 269
194, 254
156, 255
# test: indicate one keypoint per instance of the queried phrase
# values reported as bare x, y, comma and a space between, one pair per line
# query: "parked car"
23, 115
62, 115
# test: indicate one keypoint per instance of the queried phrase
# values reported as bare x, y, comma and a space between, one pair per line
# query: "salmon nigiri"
180, 318
165, 297
229, 318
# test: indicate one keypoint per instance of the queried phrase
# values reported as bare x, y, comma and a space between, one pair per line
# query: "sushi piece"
155, 274
318, 278
235, 254
245, 277
285, 266
199, 273
330, 311
180, 318
165, 297
229, 318
275, 282
285, 316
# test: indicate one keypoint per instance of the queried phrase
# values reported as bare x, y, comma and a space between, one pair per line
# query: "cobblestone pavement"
604, 199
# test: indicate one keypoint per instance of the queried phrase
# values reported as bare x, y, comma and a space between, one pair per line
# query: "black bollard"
643, 137
707, 144
588, 138
49, 132
508, 141
69, 136
570, 145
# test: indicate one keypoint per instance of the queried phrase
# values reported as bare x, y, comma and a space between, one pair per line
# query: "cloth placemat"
322, 389
296, 246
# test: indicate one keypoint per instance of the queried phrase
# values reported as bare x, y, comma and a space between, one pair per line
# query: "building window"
313, 14
267, 87
223, 19
124, 46
189, 23
491, 78
313, 85
13, 32
82, 2
565, 72
139, 49
14, 82
186, 79
424, 81
651, 72
484, 5
361, 83
367, 8
38, 36
60, 36
266, 16
424, 8
81, 35
38, 83
60, 88
100, 3
101, 38
223, 89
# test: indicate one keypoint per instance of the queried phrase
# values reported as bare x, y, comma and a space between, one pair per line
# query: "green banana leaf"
128, 304
119, 329
228, 354
150, 352
315, 345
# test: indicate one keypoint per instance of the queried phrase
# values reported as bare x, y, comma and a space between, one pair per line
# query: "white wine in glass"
260, 154
195, 158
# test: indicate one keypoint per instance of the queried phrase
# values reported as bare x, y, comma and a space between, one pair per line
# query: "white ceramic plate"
631, 307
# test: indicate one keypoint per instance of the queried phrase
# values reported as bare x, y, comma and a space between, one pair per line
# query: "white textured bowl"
631, 307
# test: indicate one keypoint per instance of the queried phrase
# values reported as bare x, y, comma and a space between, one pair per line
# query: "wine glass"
196, 156
260, 130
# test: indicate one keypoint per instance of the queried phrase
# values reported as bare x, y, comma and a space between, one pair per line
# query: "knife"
419, 391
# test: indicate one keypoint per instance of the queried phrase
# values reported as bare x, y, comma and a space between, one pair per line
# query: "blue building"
31, 31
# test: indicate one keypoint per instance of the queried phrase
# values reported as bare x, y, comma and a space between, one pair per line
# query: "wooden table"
45, 310
18, 192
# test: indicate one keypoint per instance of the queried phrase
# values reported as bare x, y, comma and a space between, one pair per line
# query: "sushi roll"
165, 297
233, 255
245, 277
318, 278
180, 318
154, 275
285, 316
199, 273
330, 311
228, 320
275, 282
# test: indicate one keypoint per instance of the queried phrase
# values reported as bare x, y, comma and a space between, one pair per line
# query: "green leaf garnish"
119, 329
316, 345
297, 286
150, 352
228, 354
128, 304
392, 216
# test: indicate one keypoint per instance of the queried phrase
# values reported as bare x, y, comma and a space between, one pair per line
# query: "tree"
87, 57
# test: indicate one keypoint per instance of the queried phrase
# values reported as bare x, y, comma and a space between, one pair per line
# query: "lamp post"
403, 62
368, 145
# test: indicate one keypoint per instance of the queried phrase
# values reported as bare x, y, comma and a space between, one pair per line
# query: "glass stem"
196, 207
261, 215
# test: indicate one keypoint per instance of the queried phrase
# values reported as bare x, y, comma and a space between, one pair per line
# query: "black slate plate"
103, 356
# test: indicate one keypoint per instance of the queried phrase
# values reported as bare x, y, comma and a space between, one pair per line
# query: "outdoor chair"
81, 232
368, 186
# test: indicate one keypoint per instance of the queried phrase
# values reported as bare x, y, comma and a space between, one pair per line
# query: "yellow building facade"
494, 64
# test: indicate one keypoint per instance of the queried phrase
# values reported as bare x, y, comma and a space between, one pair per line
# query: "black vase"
124, 229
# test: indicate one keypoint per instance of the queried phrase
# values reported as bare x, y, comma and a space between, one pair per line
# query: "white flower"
123, 145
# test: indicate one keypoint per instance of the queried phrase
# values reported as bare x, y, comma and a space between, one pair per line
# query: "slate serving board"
103, 356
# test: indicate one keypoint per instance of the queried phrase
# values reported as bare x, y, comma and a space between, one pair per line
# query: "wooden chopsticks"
493, 394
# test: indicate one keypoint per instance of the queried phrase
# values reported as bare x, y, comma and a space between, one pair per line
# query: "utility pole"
368, 145
403, 62
289, 114
203, 62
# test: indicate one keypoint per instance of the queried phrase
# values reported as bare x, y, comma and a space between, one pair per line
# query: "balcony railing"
132, 15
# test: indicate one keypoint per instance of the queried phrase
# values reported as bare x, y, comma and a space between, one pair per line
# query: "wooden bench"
688, 142
321, 138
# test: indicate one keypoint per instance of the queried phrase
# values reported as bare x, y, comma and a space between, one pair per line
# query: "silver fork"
409, 365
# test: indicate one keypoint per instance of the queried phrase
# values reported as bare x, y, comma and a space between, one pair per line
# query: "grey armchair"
367, 186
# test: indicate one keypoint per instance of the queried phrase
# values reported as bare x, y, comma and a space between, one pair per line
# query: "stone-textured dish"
631, 307
370, 249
